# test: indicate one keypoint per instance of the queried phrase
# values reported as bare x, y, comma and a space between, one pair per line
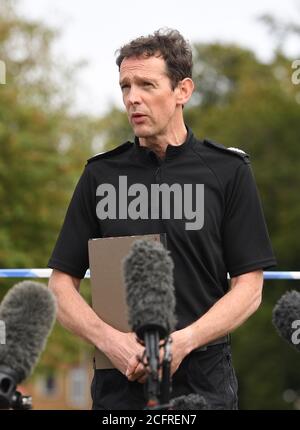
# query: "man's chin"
142, 131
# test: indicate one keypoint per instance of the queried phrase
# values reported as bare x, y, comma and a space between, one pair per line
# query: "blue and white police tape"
29, 273
45, 273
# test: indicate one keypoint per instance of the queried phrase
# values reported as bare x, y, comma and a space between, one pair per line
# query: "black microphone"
193, 402
286, 318
148, 274
28, 311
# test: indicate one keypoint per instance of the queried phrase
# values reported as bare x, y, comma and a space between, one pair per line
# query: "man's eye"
148, 84
124, 87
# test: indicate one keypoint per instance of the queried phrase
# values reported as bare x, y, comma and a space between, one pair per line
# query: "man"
227, 234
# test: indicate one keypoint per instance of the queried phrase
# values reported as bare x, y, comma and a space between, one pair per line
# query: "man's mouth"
138, 118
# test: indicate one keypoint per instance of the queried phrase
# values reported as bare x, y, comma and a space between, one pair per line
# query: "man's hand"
179, 349
123, 350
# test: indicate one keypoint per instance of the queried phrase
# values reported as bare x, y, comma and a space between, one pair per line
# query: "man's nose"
134, 95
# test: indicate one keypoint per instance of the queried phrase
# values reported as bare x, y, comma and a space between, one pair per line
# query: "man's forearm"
227, 314
77, 316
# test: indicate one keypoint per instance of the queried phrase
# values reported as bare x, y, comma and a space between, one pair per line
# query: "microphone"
286, 318
148, 275
192, 402
28, 311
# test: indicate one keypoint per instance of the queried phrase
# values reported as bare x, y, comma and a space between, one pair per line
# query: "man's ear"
184, 90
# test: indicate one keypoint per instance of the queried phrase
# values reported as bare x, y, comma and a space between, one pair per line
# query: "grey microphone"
286, 318
148, 275
28, 311
192, 401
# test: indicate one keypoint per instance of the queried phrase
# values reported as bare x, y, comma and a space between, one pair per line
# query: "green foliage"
43, 148
265, 364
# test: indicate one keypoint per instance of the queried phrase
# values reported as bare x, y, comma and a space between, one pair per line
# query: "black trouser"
208, 373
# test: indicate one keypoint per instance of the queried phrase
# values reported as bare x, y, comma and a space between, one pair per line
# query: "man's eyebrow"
146, 78
139, 79
123, 81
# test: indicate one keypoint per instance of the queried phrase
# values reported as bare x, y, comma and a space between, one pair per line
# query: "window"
78, 380
47, 386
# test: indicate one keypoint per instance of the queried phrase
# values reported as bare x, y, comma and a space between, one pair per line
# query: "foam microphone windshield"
193, 402
286, 318
148, 273
28, 311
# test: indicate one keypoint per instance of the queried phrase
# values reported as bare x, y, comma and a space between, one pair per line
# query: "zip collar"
172, 151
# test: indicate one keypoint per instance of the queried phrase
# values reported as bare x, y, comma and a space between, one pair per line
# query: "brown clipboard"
107, 283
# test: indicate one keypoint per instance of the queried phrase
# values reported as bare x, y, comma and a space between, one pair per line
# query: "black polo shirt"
228, 234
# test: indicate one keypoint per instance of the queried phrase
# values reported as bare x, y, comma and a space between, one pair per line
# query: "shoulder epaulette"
118, 150
233, 151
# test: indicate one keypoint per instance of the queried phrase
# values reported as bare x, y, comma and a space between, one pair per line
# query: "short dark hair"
169, 44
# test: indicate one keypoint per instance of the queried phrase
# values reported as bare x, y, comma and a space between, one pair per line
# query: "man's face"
148, 96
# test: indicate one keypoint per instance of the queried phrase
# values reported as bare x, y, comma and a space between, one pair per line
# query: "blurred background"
60, 103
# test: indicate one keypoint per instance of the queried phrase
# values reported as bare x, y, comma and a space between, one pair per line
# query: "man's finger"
143, 379
137, 373
133, 363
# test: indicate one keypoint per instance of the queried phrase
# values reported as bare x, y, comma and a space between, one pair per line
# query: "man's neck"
159, 143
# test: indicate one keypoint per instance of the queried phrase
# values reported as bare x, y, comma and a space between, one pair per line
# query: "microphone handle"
151, 340
8, 386
166, 373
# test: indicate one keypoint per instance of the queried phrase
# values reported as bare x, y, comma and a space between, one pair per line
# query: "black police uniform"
233, 238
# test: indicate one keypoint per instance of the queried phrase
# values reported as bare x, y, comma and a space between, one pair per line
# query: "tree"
43, 147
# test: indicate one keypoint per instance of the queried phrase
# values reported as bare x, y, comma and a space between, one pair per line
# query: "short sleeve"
70, 254
246, 241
